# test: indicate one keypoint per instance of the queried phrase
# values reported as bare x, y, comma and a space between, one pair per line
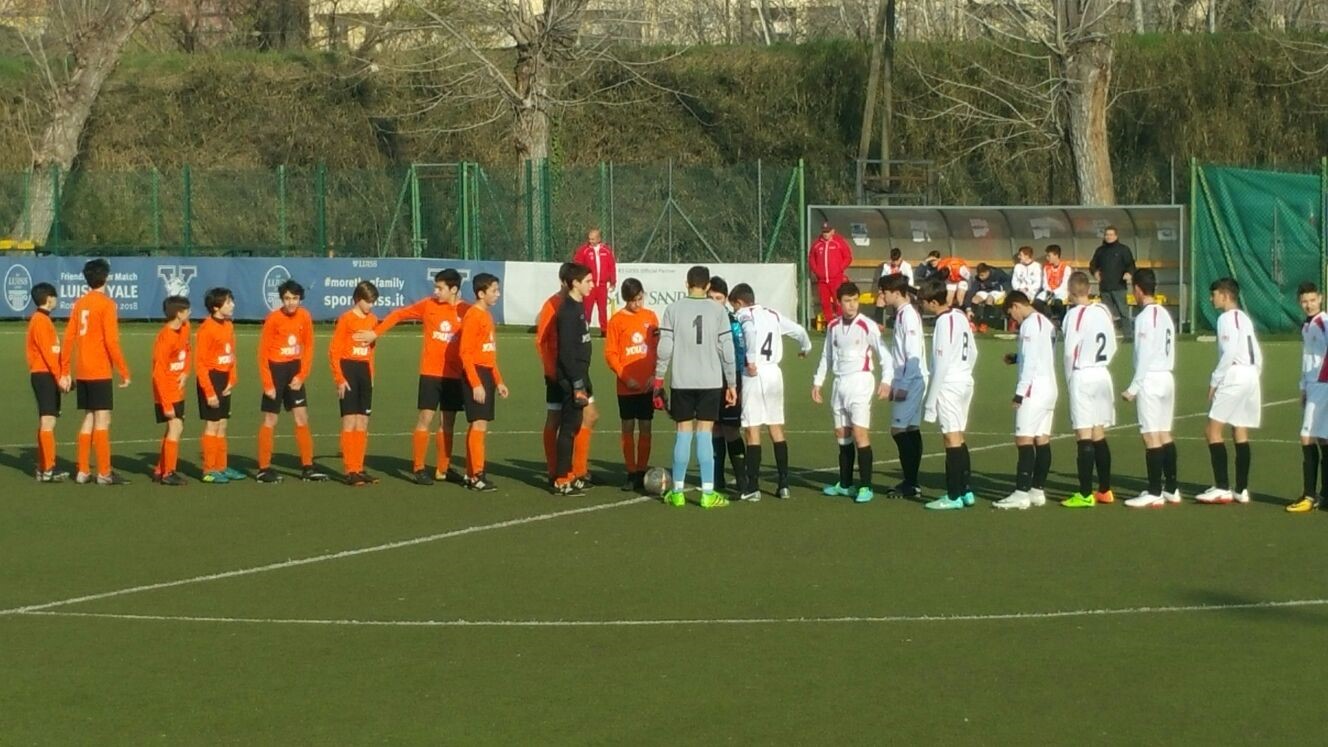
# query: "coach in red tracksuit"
598, 256
828, 262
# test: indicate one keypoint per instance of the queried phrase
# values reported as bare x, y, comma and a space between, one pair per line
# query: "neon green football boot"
711, 499
1079, 500
675, 498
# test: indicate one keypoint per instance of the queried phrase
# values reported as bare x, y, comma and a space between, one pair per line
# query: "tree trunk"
1088, 71
94, 52
1139, 26
531, 136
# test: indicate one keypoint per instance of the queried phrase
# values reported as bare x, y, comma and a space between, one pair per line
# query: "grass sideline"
301, 613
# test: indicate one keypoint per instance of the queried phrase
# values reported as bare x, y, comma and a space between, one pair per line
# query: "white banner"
528, 284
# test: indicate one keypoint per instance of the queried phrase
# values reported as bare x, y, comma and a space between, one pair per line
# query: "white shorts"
907, 413
763, 397
992, 297
1238, 401
1092, 403
961, 286
1315, 421
851, 400
1156, 402
952, 405
1034, 416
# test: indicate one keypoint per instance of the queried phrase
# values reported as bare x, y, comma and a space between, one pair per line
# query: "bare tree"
1058, 99
73, 55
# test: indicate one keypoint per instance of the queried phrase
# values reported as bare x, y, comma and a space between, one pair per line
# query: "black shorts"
731, 414
438, 393
359, 399
47, 391
282, 374
220, 380
695, 404
94, 394
476, 410
161, 414
555, 396
636, 406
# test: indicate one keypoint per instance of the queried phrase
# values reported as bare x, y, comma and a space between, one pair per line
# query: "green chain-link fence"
1266, 229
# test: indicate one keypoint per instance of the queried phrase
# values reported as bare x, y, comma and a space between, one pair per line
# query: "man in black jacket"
1113, 266
572, 372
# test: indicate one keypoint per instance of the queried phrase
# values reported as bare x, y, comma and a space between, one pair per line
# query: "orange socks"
642, 452
209, 453
419, 442
223, 457
551, 448
474, 451
170, 456
581, 452
305, 440
628, 443
443, 446
354, 445
45, 450
84, 450
265, 438
361, 448
101, 443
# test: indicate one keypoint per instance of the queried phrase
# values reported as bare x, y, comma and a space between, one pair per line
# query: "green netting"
1266, 230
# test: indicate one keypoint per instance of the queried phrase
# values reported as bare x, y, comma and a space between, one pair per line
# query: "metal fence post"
54, 240
320, 207
529, 207
473, 189
463, 212
187, 210
802, 226
281, 206
27, 202
1323, 223
156, 207
547, 216
416, 217
760, 213
1194, 240
603, 196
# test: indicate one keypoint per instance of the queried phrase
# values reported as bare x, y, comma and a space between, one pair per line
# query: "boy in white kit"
850, 342
1313, 399
1090, 344
1034, 402
1234, 392
1026, 277
1153, 390
954, 353
763, 383
906, 381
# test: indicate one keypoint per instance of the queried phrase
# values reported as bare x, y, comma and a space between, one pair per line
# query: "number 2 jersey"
1090, 338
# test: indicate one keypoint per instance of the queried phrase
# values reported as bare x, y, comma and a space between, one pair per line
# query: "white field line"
326, 557
669, 622
421, 540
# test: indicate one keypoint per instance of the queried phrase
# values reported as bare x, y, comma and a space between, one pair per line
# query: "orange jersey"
286, 337
479, 346
630, 344
43, 345
953, 269
93, 332
345, 348
442, 325
170, 364
546, 334
215, 350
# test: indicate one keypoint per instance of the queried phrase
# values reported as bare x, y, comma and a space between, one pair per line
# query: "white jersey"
1154, 345
1090, 338
1037, 357
908, 347
764, 329
903, 268
849, 347
1313, 347
954, 353
1236, 345
1027, 278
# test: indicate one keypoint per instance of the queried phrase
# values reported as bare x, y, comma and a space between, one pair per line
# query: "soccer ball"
656, 481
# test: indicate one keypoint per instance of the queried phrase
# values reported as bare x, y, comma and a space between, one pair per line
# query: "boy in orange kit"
217, 374
93, 333
170, 370
353, 372
479, 360
440, 318
285, 357
629, 348
43, 348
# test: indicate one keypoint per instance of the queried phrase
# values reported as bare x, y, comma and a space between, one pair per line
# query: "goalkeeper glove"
660, 399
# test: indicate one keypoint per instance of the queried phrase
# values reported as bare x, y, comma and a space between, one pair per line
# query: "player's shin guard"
782, 467
1023, 470
705, 461
966, 468
1323, 468
265, 440
551, 449
643, 444
474, 451
581, 450
1102, 459
170, 456
1309, 469
304, 441
627, 442
1217, 454
1041, 464
954, 471
1169, 481
865, 466
101, 444
682, 455
738, 458
84, 450
442, 446
46, 446
845, 462
1084, 464
419, 447
718, 447
1153, 459
753, 459
1242, 466
914, 463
